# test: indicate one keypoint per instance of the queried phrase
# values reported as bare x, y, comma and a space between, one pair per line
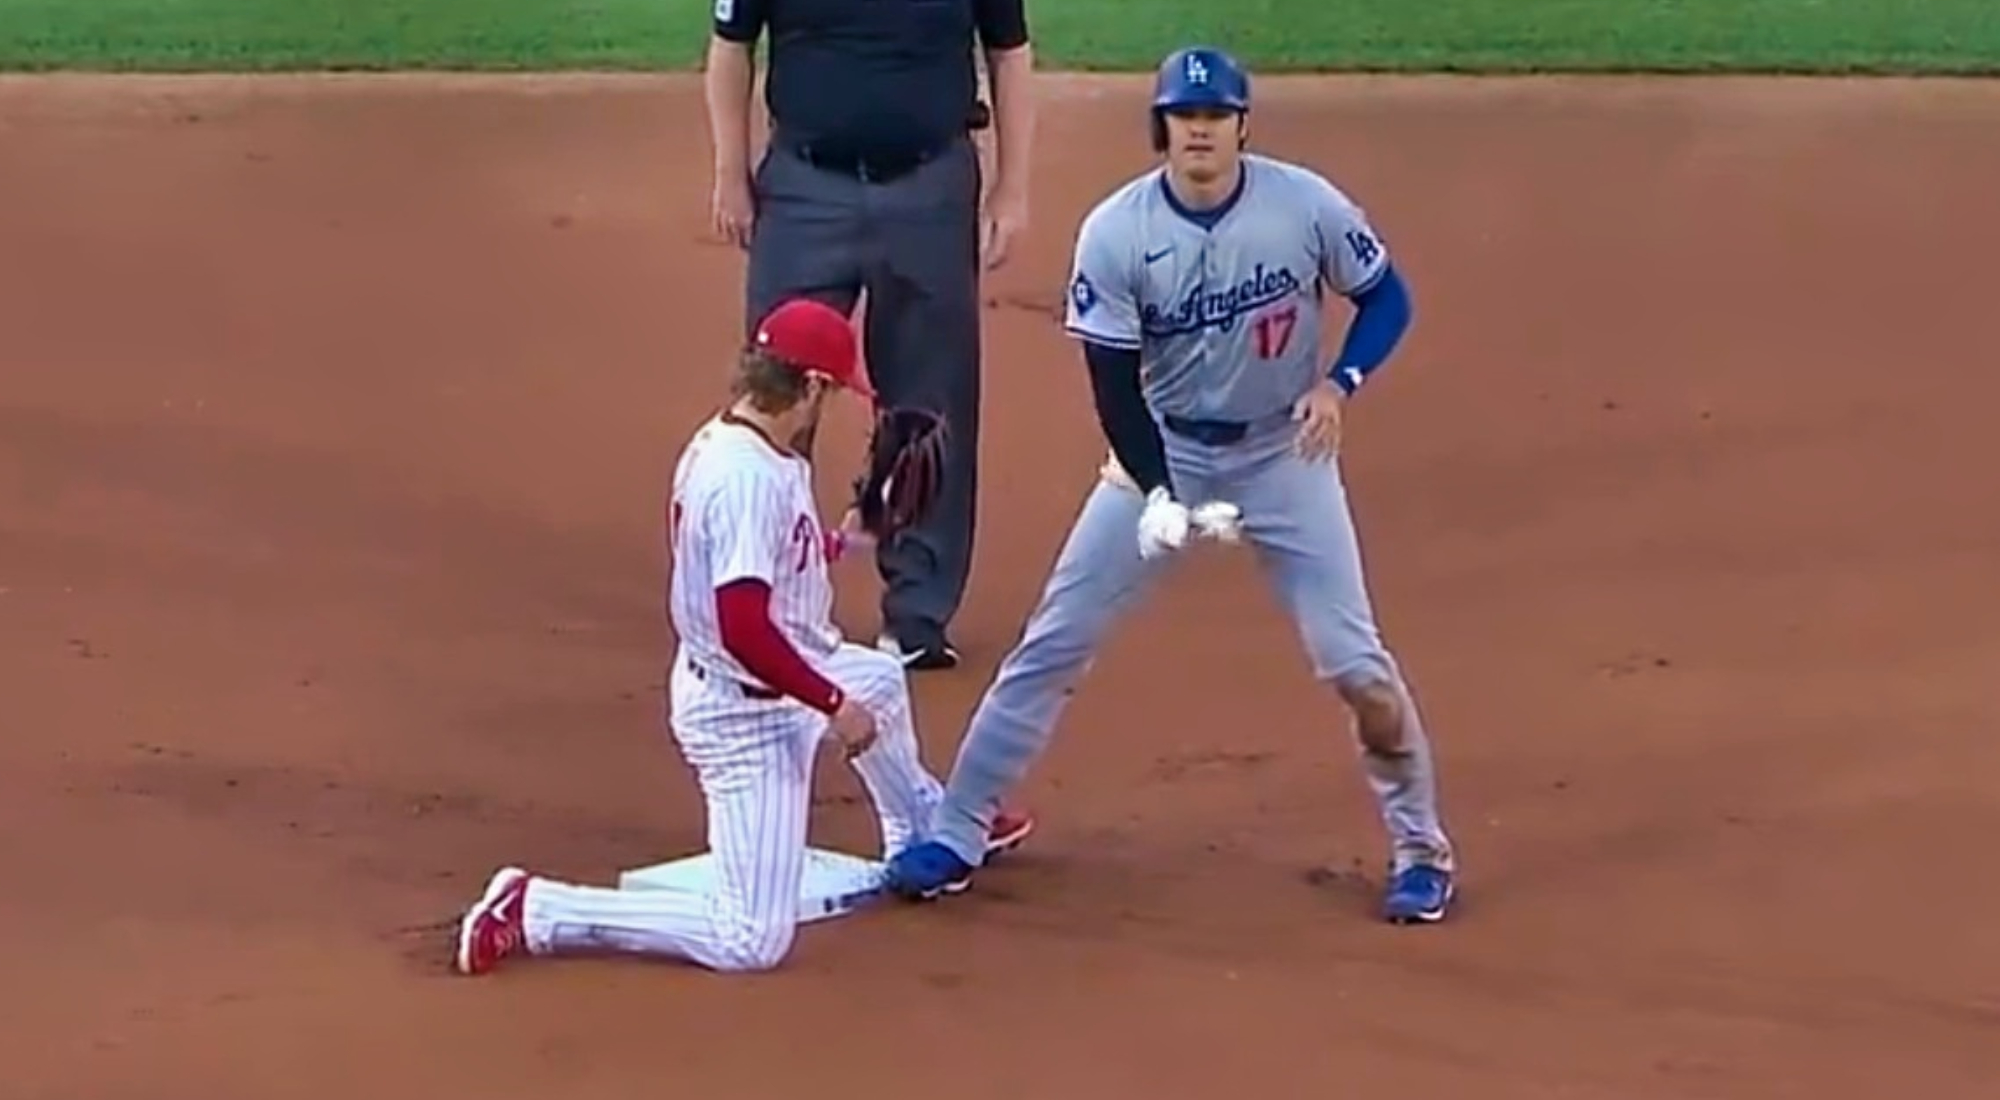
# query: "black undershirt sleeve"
1122, 413
1003, 24
741, 21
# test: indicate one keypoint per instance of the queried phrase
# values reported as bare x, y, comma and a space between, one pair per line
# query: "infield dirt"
335, 422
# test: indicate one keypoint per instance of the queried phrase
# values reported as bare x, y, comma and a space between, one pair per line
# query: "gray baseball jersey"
1227, 317
1224, 309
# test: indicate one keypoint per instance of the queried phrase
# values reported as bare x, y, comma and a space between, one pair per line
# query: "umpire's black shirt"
873, 77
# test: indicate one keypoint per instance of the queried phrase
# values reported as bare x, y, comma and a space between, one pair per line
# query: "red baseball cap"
817, 339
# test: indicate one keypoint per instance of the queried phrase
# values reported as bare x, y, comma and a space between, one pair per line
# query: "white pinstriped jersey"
742, 508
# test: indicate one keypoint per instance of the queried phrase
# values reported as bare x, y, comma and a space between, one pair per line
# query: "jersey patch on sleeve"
1082, 294
1360, 242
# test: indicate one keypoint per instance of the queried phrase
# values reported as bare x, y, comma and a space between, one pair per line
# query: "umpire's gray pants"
912, 244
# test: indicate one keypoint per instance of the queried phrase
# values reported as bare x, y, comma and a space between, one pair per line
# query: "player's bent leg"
757, 789
904, 792
1296, 514
1396, 757
1097, 577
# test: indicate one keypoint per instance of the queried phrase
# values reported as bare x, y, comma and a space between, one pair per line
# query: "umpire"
871, 181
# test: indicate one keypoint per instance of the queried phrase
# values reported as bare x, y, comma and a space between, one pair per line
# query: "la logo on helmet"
1197, 73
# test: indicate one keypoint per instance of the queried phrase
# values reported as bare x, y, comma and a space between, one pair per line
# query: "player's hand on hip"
1004, 218
1318, 414
1163, 525
732, 208
854, 727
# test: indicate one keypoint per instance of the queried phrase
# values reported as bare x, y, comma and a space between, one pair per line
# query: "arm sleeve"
1003, 24
1382, 315
1122, 413
740, 21
1103, 306
1351, 254
743, 615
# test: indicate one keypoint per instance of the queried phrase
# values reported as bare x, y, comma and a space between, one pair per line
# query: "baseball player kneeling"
761, 675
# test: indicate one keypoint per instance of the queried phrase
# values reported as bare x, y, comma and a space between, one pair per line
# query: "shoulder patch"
1082, 295
1363, 245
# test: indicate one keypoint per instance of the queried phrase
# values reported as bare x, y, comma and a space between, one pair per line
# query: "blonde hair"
771, 384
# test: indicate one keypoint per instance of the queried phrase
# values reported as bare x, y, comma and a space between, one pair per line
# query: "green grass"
1937, 36
183, 35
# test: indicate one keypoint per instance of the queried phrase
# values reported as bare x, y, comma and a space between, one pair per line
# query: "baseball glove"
905, 471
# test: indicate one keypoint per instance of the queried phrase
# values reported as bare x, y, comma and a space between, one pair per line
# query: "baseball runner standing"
1196, 293
871, 182
760, 678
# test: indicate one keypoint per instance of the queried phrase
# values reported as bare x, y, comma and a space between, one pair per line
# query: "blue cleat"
926, 871
1418, 895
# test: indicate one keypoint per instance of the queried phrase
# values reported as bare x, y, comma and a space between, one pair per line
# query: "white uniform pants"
754, 761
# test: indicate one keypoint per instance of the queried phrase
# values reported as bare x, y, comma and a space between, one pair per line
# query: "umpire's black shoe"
929, 656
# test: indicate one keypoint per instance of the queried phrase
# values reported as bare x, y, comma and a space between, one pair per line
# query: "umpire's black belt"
748, 690
867, 166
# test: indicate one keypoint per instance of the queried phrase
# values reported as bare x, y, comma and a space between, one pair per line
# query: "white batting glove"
1217, 519
1164, 525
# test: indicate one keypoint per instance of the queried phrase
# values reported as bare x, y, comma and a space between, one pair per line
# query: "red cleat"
494, 928
1010, 827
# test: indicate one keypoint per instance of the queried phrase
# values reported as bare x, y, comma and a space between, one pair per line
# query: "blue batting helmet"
1198, 76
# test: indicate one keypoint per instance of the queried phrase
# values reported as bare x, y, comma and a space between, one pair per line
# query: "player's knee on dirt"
759, 945
1378, 714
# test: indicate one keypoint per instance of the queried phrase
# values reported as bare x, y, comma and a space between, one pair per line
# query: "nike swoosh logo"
1155, 257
